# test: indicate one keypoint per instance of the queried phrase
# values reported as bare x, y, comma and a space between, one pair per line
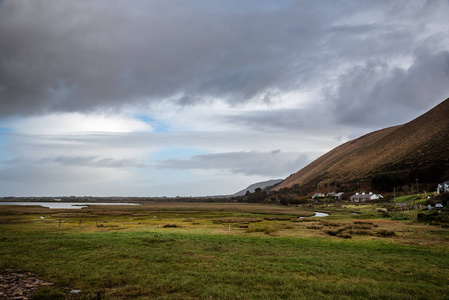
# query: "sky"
200, 97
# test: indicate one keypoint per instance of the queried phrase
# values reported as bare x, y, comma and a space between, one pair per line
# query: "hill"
254, 186
394, 156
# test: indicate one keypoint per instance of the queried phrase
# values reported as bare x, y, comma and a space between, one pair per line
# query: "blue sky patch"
159, 126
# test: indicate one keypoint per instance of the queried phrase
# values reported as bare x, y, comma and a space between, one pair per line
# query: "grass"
403, 199
272, 259
413, 199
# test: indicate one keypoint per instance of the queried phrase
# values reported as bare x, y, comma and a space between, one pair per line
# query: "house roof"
368, 196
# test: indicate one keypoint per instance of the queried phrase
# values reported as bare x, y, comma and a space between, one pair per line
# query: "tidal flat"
226, 251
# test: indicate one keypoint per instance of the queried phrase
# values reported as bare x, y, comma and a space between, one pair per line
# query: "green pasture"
205, 260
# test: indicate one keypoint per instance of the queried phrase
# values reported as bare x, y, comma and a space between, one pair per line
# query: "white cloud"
76, 123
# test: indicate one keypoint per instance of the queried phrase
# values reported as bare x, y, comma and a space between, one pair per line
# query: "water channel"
63, 205
78, 205
317, 215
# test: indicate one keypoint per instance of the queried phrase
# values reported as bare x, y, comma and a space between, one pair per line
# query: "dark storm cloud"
274, 163
376, 93
81, 55
86, 55
70, 56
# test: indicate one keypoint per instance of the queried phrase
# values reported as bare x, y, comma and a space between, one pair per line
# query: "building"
365, 197
318, 195
443, 187
339, 195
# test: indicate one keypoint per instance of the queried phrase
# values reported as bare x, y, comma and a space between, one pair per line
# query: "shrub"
171, 226
277, 218
269, 229
385, 232
344, 235
331, 232
236, 220
400, 216
314, 227
334, 232
363, 222
331, 224
361, 232
434, 218
361, 226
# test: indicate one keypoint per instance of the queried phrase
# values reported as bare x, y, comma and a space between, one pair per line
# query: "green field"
181, 251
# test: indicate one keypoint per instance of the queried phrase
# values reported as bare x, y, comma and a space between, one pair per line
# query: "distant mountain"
417, 151
261, 185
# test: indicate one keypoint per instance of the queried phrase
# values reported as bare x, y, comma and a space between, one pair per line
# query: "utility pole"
417, 186
394, 194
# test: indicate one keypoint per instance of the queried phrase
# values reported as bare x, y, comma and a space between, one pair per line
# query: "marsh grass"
267, 229
271, 259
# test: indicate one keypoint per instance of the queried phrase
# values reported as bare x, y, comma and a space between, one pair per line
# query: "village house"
338, 195
330, 195
443, 187
365, 197
318, 195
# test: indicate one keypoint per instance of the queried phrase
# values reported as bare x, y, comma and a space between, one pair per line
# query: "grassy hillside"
418, 149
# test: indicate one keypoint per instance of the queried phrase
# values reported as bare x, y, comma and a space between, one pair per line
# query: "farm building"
365, 197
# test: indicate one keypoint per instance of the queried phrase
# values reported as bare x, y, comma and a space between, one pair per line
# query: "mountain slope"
254, 186
416, 145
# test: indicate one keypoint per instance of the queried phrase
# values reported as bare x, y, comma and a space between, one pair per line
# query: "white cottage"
365, 197
443, 187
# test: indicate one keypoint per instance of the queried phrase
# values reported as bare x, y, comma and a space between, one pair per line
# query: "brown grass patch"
238, 220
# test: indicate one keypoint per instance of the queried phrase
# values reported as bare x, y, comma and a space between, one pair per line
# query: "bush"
357, 226
363, 222
434, 218
344, 235
361, 232
334, 232
171, 226
331, 224
400, 216
314, 227
385, 232
278, 218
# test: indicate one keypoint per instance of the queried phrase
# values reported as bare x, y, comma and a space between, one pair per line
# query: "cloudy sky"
201, 97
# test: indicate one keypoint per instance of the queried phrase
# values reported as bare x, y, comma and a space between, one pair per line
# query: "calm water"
65, 205
317, 214
320, 214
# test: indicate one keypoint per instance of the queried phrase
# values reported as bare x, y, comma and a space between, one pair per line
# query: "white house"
338, 195
318, 195
443, 187
365, 197
330, 195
